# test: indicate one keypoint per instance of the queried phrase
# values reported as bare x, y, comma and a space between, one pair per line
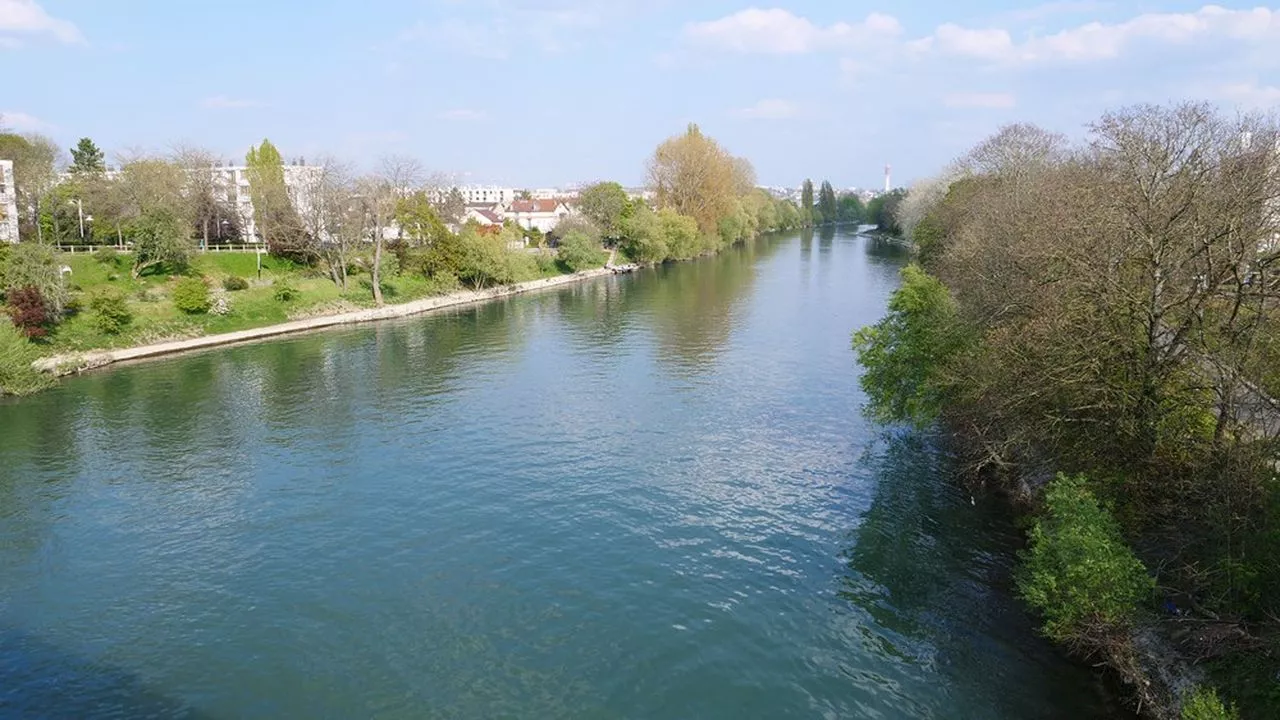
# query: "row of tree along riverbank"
1094, 326
332, 254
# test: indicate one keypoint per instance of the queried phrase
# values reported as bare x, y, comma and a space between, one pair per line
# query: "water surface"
640, 497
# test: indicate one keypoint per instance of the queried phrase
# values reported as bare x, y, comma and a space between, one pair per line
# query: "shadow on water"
40, 680
930, 567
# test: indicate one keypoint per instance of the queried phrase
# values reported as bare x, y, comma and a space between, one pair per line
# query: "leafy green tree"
87, 158
643, 239
680, 234
607, 205
694, 175
273, 211
806, 202
1078, 571
578, 251
906, 354
1203, 703
827, 202
849, 208
34, 158
32, 265
161, 238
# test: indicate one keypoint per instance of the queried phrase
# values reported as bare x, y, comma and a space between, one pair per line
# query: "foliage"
607, 206
191, 296
694, 176
110, 311
86, 157
679, 234
643, 237
906, 355
1203, 703
38, 266
579, 224
17, 377
29, 311
284, 292
806, 202
160, 239
881, 211
1078, 571
579, 251
234, 283
827, 205
273, 211
849, 208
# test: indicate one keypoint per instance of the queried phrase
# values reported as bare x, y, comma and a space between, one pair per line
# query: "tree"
827, 202
694, 176
607, 206
644, 240
33, 265
273, 209
579, 251
806, 202
160, 238
849, 209
212, 216
380, 196
87, 158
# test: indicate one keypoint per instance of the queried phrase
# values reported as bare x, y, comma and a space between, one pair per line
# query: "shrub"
233, 283
1203, 703
29, 311
35, 265
191, 296
285, 292
110, 312
579, 251
106, 255
1078, 571
17, 377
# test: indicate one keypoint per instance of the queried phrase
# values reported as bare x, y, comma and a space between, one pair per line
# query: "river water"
649, 496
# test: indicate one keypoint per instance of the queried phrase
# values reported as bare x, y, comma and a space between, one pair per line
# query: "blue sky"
548, 92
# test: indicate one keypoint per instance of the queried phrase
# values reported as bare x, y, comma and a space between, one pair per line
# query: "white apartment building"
8, 203
233, 183
487, 195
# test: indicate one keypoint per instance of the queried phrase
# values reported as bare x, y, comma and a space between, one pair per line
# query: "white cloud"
27, 17
23, 122
779, 32
771, 109
980, 100
1252, 96
1102, 41
222, 102
463, 114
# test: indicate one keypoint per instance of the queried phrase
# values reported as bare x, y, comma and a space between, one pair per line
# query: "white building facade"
8, 203
540, 215
233, 186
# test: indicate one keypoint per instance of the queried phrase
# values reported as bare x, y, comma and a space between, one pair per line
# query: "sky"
539, 93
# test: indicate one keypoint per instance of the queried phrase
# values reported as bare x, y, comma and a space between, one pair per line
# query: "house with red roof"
540, 215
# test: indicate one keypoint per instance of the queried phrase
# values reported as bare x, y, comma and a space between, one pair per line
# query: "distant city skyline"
538, 93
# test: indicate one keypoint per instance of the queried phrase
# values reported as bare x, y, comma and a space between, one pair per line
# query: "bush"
191, 296
579, 251
1203, 703
29, 311
110, 312
106, 255
17, 377
1078, 571
285, 292
233, 283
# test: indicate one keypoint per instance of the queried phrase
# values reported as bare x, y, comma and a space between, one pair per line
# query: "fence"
83, 249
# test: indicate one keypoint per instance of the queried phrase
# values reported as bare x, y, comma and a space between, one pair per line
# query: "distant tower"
888, 178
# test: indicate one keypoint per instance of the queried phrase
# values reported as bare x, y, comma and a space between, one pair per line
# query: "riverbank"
71, 363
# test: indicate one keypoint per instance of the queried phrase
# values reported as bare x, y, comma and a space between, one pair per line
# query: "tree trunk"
377, 267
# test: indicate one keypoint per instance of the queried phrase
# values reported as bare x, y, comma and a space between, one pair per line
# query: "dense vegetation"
1105, 314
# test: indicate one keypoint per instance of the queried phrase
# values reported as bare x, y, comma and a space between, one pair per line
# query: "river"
649, 496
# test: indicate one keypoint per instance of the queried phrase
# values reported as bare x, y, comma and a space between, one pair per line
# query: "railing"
83, 249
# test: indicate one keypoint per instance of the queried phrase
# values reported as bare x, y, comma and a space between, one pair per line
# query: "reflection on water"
642, 496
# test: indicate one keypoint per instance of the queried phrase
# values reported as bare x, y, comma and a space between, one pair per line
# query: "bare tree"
397, 177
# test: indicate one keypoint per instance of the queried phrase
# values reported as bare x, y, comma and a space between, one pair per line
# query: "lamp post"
80, 211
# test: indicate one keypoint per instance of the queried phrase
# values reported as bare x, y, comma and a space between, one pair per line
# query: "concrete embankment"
70, 363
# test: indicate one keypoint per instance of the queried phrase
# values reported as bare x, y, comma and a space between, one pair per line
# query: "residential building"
487, 194
483, 216
232, 182
8, 203
540, 215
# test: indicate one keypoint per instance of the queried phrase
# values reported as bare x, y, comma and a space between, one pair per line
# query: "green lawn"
156, 319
